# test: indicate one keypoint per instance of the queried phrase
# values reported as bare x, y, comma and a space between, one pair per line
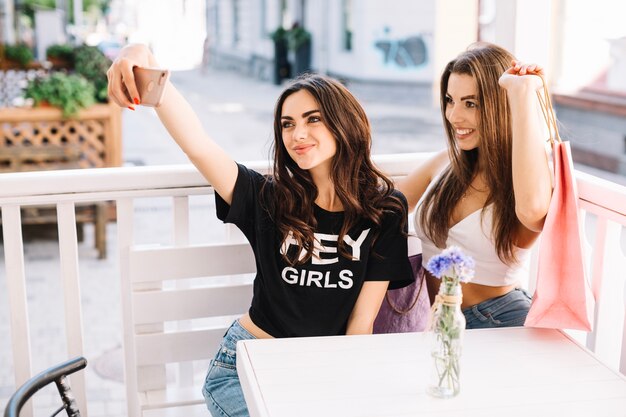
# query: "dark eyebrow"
310, 112
470, 97
305, 114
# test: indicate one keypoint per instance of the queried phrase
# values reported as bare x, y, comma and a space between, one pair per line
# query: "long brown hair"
364, 191
485, 63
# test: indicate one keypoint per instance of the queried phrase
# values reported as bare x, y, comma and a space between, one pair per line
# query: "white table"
504, 372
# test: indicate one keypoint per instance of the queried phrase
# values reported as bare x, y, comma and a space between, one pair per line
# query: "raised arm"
414, 185
178, 118
531, 173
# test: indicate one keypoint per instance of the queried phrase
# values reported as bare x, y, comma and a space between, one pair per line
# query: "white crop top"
475, 240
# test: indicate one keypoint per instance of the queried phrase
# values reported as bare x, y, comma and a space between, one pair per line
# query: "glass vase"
446, 340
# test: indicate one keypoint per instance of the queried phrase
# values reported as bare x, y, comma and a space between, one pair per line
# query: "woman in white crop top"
489, 192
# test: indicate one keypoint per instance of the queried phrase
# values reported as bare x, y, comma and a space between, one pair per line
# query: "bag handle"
401, 311
548, 113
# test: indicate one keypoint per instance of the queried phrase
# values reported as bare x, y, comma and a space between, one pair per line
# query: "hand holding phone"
150, 84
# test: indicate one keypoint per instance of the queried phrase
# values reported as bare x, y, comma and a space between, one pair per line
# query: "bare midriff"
475, 293
472, 293
246, 322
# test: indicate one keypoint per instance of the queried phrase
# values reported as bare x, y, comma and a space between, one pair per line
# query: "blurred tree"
27, 7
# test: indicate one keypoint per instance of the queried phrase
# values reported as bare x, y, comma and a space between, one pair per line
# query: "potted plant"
298, 37
16, 57
299, 41
66, 113
70, 93
92, 64
282, 69
61, 56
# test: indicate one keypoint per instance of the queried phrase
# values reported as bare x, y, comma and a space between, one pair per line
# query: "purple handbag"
405, 309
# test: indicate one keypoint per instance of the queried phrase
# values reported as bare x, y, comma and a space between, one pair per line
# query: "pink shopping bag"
563, 297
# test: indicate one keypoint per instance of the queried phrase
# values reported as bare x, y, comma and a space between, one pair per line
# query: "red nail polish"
132, 108
136, 100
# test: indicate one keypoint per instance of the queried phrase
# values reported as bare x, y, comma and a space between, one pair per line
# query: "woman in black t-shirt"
327, 228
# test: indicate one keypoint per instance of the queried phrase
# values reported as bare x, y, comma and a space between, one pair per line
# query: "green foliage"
28, 7
61, 51
102, 5
85, 86
91, 63
297, 37
21, 54
279, 34
68, 92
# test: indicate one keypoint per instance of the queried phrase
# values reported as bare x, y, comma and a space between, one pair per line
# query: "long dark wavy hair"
485, 63
364, 191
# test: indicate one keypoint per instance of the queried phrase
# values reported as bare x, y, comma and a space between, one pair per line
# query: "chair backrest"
56, 374
182, 300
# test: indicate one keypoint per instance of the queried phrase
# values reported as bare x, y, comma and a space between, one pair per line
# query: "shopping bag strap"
548, 112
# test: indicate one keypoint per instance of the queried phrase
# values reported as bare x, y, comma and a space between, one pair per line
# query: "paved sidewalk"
238, 112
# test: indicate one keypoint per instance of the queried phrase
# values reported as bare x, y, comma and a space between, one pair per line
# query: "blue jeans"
222, 390
508, 310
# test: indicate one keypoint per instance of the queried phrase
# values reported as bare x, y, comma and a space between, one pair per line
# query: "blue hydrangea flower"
452, 262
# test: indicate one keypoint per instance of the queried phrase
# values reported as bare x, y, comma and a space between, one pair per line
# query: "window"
236, 22
263, 15
285, 16
346, 25
302, 17
212, 22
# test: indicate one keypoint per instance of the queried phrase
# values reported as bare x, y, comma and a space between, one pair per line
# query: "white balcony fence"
602, 203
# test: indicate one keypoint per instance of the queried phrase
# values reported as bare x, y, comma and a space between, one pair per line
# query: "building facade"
356, 39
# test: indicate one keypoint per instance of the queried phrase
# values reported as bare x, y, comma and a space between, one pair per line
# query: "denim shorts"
508, 310
222, 390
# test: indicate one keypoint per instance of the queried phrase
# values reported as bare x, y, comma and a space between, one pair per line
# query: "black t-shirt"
317, 297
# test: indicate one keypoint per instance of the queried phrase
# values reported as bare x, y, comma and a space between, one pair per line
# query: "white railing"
602, 202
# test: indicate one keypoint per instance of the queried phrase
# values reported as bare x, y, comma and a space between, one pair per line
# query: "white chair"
180, 302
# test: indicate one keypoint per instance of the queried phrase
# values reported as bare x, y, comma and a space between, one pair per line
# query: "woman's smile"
302, 149
462, 134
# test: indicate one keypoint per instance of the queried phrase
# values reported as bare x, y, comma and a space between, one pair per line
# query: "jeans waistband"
494, 304
237, 332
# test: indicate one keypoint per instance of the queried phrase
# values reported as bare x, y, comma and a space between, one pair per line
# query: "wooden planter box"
7, 65
96, 132
41, 139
